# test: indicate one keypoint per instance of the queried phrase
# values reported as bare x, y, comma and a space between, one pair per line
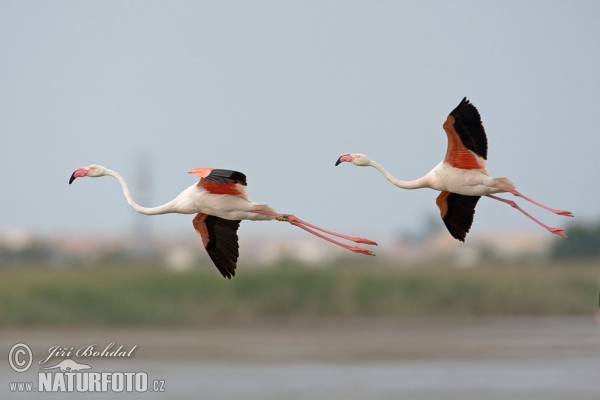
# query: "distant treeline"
583, 243
132, 296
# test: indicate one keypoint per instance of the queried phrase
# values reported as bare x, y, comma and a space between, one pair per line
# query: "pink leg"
295, 220
355, 249
302, 224
518, 194
556, 231
292, 219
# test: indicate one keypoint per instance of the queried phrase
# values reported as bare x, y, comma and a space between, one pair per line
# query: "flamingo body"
220, 203
462, 177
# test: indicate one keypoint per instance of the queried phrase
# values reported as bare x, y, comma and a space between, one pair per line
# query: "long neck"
165, 208
417, 184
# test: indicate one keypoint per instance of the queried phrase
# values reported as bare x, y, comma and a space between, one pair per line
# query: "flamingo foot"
360, 250
558, 231
564, 212
364, 241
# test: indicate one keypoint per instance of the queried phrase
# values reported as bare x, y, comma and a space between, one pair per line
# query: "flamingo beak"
344, 158
79, 173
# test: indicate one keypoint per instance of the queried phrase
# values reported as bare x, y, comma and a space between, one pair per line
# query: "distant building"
184, 252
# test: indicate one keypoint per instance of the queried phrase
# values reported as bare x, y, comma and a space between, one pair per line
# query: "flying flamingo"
462, 176
221, 202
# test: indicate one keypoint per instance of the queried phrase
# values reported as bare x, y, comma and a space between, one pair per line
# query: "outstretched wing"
457, 212
467, 142
220, 240
220, 175
221, 181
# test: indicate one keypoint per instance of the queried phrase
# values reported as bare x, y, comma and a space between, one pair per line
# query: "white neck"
164, 209
417, 184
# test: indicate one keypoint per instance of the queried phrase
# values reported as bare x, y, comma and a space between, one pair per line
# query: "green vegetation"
152, 296
583, 243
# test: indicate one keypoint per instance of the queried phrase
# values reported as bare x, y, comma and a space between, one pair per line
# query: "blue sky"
279, 90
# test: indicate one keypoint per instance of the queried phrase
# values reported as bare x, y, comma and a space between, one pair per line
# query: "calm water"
527, 379
506, 358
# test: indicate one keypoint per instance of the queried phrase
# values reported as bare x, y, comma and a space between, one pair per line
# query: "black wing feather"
222, 246
467, 123
226, 176
459, 216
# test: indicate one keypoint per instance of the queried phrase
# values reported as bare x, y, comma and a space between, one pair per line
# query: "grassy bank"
119, 295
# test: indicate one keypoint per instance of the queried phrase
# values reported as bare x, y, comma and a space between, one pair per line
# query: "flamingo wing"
221, 181
457, 212
467, 142
220, 240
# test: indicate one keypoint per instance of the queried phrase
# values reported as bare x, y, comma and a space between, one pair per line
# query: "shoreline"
333, 340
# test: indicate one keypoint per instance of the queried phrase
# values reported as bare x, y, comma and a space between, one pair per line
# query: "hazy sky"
279, 90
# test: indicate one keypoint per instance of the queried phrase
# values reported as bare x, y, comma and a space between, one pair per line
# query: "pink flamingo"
221, 202
462, 176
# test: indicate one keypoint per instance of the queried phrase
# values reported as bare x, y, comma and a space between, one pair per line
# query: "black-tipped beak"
338, 162
72, 178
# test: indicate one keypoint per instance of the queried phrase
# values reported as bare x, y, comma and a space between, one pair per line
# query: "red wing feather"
200, 227
457, 153
467, 141
220, 181
441, 203
220, 188
220, 175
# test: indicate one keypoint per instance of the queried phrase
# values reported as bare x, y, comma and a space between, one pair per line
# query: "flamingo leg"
355, 249
556, 231
518, 194
292, 219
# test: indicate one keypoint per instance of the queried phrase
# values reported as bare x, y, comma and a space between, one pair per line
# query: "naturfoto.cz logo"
69, 375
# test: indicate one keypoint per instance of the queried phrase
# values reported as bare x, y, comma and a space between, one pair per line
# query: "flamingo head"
357, 159
93, 171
